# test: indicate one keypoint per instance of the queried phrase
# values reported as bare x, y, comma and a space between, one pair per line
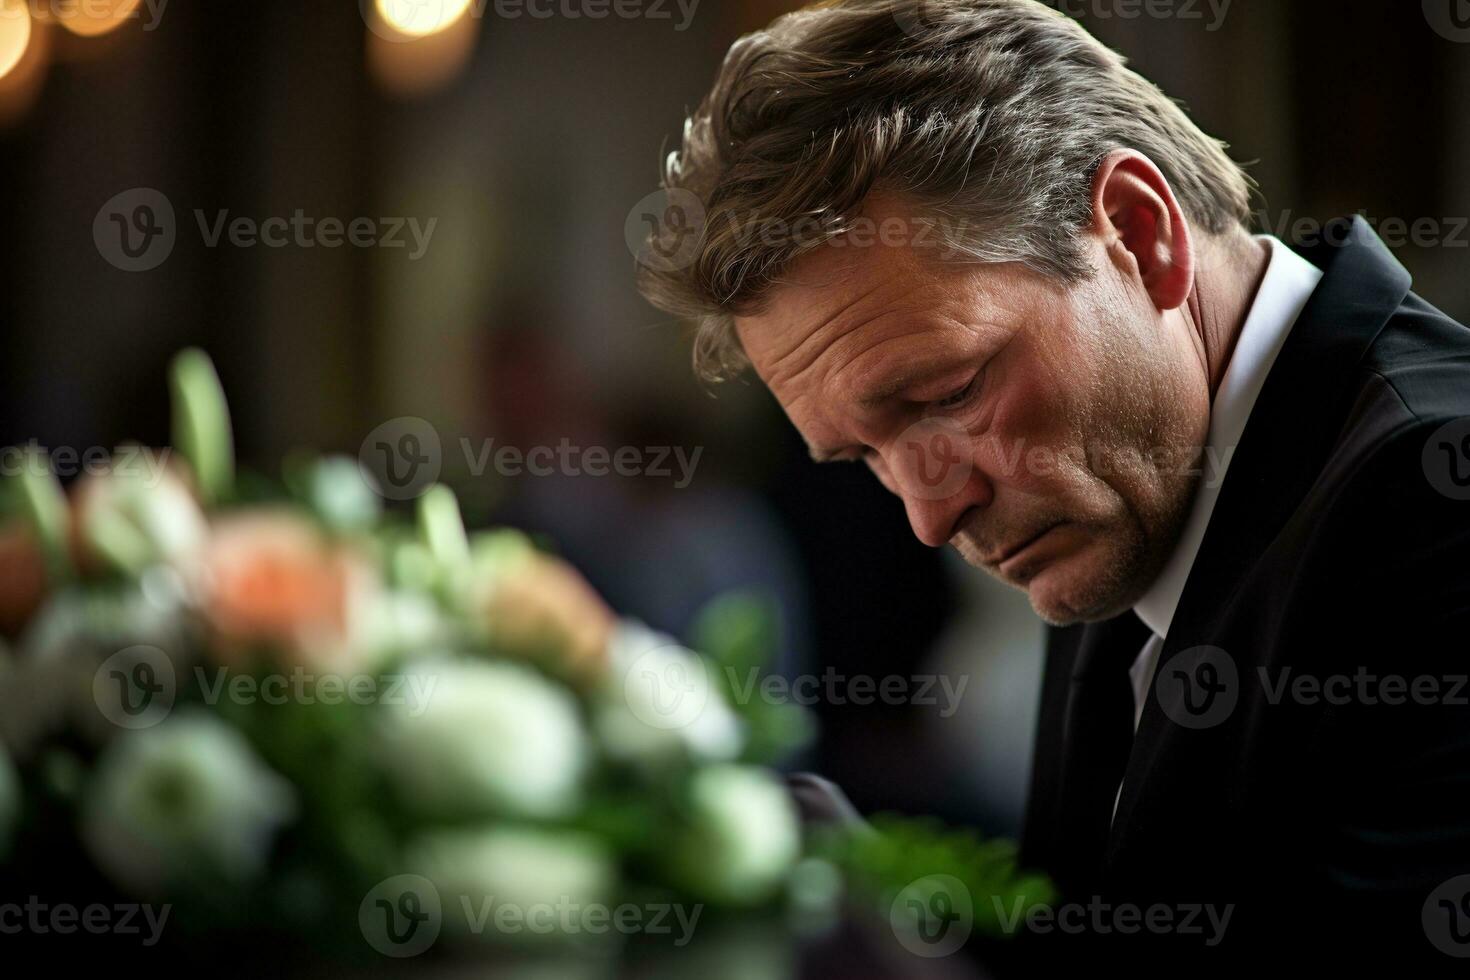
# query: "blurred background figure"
490, 165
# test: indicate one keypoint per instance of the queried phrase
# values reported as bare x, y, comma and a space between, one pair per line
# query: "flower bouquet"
288, 717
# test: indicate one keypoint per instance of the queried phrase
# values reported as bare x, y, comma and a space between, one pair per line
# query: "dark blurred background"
528, 140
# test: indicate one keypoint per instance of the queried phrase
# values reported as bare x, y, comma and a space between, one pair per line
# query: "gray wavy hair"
989, 117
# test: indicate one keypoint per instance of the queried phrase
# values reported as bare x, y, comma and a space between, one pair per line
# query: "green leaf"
43, 503
740, 630
122, 544
900, 851
201, 424
775, 729
335, 489
443, 533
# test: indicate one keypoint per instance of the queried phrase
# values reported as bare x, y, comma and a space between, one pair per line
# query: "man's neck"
1232, 268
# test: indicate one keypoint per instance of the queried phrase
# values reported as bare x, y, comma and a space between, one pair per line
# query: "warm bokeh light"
21, 86
425, 64
90, 18
15, 33
420, 18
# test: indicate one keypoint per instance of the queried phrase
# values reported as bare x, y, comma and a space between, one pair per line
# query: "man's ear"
1136, 215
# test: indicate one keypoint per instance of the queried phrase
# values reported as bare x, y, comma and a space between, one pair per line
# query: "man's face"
1049, 433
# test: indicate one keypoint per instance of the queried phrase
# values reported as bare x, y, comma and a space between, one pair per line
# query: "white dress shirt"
1284, 291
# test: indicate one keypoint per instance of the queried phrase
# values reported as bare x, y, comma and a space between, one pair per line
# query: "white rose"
186, 797
661, 703
129, 518
743, 838
406, 623
532, 882
484, 737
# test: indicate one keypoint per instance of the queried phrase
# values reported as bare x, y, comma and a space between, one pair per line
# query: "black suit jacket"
1338, 549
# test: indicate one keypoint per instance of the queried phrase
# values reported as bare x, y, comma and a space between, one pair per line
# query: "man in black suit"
1304, 750
963, 244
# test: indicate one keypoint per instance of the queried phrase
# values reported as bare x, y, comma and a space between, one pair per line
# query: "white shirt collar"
1285, 289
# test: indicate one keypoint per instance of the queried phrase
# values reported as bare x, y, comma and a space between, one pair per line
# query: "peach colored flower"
538, 604
22, 577
272, 580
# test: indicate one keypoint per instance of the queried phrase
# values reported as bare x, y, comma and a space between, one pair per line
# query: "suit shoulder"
1423, 355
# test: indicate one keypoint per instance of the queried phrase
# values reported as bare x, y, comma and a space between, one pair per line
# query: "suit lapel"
1286, 440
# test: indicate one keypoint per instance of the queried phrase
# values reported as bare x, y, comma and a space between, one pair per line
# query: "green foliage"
39, 497
201, 424
898, 851
441, 529
740, 630
740, 633
334, 489
680, 807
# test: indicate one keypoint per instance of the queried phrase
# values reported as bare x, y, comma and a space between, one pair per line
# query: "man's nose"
934, 469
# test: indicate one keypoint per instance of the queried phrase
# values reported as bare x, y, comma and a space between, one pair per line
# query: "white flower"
404, 622
743, 838
542, 879
660, 702
129, 518
9, 800
187, 799
484, 737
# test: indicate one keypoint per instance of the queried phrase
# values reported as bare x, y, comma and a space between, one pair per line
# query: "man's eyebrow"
820, 455
829, 455
889, 389
885, 392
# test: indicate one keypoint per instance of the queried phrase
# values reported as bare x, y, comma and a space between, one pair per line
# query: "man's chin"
1071, 592
1093, 582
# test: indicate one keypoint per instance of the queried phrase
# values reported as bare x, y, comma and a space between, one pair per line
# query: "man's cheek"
884, 477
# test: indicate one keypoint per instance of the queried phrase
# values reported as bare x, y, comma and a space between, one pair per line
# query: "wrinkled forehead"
874, 310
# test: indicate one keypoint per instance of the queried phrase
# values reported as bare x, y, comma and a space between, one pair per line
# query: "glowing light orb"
420, 18
91, 18
15, 33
